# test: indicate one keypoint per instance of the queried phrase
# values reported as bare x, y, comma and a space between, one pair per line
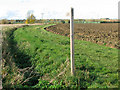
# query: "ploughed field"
103, 34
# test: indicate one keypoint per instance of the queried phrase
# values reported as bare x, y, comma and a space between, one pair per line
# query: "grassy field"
96, 66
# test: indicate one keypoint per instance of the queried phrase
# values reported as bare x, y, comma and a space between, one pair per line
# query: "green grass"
95, 66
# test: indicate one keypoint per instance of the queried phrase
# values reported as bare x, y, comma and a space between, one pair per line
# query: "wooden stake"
0, 57
72, 40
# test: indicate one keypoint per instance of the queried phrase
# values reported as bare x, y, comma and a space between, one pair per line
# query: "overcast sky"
57, 9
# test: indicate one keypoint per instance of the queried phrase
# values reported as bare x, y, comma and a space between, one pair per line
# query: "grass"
10, 73
95, 66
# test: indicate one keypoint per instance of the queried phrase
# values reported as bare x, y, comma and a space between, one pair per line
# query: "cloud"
11, 14
15, 14
23, 1
58, 8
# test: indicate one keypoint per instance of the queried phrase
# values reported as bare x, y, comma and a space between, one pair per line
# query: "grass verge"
95, 66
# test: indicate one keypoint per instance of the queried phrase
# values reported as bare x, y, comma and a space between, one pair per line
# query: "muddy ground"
103, 33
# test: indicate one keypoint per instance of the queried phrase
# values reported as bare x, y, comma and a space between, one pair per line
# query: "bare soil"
103, 33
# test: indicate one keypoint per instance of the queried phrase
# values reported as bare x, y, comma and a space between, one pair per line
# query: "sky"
57, 9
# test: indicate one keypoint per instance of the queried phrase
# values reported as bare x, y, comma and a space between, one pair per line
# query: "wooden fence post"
72, 41
1, 57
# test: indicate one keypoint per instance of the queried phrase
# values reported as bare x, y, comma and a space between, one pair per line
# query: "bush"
69, 21
4, 21
63, 21
31, 19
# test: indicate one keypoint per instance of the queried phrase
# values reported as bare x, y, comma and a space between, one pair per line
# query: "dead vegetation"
12, 75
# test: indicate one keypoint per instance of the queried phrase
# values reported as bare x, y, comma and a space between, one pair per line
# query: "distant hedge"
4, 21
109, 22
63, 21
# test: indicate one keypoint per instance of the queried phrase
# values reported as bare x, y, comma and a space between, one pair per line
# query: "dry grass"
12, 75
